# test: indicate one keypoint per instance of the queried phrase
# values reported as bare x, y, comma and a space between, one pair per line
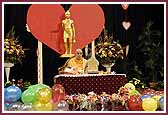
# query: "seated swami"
74, 65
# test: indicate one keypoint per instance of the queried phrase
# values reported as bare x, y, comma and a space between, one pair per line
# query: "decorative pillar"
92, 61
40, 63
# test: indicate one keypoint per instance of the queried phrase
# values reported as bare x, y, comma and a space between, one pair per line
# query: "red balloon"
135, 103
58, 93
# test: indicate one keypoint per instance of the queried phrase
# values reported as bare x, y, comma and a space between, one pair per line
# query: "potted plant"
151, 50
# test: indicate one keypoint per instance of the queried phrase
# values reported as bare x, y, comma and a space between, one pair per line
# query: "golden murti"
68, 33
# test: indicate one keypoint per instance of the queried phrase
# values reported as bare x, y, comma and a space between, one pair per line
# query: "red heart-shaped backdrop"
44, 21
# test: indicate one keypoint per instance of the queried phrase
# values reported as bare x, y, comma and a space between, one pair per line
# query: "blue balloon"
6, 106
5, 89
161, 103
145, 96
12, 94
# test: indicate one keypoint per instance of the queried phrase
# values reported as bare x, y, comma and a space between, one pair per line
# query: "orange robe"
80, 65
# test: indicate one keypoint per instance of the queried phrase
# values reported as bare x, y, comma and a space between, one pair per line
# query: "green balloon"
38, 86
28, 96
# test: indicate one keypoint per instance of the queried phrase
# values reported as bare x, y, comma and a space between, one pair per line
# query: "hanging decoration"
125, 6
126, 24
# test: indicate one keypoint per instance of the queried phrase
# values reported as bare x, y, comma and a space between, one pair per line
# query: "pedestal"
108, 67
67, 55
7, 67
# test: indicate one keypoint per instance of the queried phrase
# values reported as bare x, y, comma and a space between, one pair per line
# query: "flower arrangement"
23, 85
13, 51
108, 51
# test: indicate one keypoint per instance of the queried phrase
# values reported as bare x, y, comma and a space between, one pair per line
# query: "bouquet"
108, 51
13, 51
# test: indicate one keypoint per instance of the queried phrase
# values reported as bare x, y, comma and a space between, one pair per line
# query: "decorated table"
98, 83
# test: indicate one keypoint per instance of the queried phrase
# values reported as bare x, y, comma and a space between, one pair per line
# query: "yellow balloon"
149, 104
129, 86
38, 106
44, 95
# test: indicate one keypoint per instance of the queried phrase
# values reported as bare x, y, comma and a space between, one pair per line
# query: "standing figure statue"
68, 32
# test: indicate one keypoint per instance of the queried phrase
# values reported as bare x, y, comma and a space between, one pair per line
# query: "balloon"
28, 96
61, 106
44, 95
6, 106
37, 87
133, 92
145, 96
149, 104
12, 94
15, 106
58, 93
129, 86
157, 97
161, 103
135, 103
38, 106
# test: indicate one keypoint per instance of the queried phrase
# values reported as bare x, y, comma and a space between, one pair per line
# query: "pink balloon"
58, 93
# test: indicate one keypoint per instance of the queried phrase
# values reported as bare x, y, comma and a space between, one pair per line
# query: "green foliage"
160, 85
134, 71
150, 55
151, 48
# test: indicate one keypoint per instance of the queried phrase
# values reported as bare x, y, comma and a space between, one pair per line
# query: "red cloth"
87, 83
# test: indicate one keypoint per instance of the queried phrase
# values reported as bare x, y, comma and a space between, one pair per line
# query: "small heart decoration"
126, 24
125, 6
